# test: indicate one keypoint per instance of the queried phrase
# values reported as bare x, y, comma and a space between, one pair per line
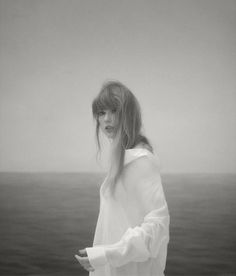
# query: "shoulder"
143, 166
143, 162
141, 175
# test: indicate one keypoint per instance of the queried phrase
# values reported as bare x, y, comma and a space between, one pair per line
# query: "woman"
132, 231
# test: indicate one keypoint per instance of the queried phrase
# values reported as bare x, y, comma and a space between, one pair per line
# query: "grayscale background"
179, 59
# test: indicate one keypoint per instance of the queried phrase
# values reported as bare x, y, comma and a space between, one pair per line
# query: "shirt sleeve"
146, 240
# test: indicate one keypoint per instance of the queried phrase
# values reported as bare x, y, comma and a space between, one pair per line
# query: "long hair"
116, 96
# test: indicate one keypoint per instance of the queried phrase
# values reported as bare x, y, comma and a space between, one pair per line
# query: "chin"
110, 136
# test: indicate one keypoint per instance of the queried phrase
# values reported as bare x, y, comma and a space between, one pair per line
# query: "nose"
108, 116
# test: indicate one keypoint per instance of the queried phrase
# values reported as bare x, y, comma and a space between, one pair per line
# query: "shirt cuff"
96, 256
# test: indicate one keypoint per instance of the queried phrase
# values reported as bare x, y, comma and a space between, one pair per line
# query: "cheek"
118, 118
100, 123
114, 118
117, 121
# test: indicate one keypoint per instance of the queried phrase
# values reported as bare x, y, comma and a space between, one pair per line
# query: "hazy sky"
178, 57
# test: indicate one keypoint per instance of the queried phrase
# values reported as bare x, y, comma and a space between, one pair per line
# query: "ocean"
45, 218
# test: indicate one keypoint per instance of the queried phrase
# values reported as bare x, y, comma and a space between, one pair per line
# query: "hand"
84, 260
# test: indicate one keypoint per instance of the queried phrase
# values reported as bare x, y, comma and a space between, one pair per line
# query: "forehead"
105, 102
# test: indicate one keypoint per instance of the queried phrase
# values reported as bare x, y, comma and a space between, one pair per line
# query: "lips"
109, 128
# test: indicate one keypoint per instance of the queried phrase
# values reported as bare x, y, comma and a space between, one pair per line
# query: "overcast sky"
178, 57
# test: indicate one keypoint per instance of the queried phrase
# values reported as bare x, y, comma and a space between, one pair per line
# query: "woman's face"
108, 122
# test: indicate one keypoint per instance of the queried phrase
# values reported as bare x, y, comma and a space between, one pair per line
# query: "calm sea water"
46, 218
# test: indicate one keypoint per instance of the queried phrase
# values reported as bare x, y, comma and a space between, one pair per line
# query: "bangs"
105, 100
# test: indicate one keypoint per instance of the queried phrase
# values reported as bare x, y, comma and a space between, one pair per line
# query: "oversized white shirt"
132, 232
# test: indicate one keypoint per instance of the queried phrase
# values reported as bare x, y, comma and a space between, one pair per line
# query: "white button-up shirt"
132, 231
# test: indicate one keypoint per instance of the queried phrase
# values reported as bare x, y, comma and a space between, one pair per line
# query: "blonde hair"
116, 96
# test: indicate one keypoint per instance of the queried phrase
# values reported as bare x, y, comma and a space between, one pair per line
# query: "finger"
84, 262
82, 259
79, 259
89, 268
83, 251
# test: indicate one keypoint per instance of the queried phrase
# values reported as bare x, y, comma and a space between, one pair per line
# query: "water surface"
46, 217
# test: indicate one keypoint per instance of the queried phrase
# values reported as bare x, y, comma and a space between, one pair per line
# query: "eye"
100, 113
